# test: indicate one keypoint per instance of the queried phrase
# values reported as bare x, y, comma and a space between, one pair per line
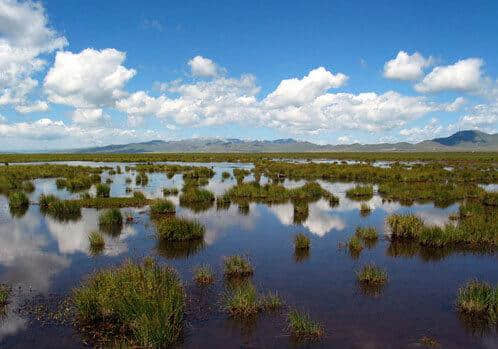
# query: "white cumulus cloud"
24, 37
203, 67
464, 75
91, 78
406, 66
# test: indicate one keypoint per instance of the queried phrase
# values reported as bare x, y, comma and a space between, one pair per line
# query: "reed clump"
143, 303
479, 300
360, 192
303, 327
371, 275
103, 190
176, 229
18, 200
161, 207
203, 275
301, 242
97, 242
237, 266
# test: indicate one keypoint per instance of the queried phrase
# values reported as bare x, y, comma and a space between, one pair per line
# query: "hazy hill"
460, 141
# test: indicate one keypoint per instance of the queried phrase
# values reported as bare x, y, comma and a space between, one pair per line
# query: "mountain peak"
466, 136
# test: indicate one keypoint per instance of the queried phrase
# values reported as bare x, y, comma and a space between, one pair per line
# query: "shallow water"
42, 256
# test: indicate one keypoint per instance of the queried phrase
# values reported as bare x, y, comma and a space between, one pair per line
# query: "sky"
86, 73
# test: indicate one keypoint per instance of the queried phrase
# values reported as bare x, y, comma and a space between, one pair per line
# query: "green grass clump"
142, 179
367, 233
144, 304
179, 229
203, 275
111, 217
225, 175
479, 300
223, 202
28, 186
170, 191
272, 301
196, 195
491, 199
242, 300
302, 327
97, 242
360, 191
4, 296
355, 245
18, 200
301, 242
405, 226
162, 207
365, 209
371, 275
103, 190
237, 266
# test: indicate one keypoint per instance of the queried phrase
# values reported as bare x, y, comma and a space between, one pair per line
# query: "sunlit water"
42, 256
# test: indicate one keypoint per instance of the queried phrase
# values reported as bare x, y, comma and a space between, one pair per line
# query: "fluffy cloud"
203, 103
203, 67
416, 134
297, 105
87, 79
90, 117
482, 116
24, 37
297, 92
464, 75
33, 107
406, 67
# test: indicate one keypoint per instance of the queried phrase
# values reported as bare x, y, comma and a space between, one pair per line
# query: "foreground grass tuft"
302, 327
479, 300
372, 275
203, 275
59, 209
179, 229
406, 226
237, 266
145, 303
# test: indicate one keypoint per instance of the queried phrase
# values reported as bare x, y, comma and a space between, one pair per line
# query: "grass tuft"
18, 200
179, 229
103, 190
97, 242
160, 207
301, 242
203, 275
372, 275
111, 216
142, 302
302, 327
360, 192
479, 300
237, 266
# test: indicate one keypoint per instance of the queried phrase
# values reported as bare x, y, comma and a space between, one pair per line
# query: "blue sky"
76, 73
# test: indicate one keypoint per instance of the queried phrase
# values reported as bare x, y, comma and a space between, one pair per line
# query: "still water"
43, 258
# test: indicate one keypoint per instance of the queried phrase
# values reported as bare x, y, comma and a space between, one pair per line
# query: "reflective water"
42, 256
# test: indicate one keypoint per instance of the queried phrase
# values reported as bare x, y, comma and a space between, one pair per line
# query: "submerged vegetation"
142, 303
301, 242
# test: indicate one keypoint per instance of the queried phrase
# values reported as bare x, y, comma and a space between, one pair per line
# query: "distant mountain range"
461, 141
